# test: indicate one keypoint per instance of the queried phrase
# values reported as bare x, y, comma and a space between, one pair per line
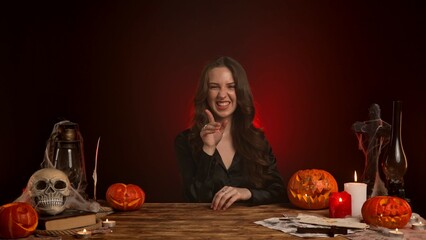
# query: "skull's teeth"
50, 202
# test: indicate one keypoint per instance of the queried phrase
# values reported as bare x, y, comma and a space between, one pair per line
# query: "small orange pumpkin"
386, 211
124, 197
311, 188
17, 220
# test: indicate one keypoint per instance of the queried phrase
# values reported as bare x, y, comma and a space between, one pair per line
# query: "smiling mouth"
223, 105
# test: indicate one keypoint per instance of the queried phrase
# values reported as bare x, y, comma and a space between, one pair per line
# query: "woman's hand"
225, 197
212, 133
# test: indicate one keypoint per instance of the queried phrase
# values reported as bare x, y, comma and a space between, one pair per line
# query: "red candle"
340, 205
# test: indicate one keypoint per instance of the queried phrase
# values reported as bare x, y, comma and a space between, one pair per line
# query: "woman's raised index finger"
209, 116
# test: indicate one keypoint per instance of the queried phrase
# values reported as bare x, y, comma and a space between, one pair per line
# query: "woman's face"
222, 97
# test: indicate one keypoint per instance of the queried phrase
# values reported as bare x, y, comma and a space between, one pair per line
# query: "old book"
68, 219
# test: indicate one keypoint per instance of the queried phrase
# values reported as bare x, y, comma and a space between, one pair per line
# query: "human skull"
49, 189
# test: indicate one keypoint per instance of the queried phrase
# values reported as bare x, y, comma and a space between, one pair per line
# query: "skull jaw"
51, 211
50, 206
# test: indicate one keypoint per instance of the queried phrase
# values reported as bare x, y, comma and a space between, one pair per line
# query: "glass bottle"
395, 164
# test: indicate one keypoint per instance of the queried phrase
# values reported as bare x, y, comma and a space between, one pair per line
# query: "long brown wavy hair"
248, 140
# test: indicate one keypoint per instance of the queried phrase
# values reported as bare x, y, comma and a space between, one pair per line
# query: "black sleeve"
274, 190
196, 171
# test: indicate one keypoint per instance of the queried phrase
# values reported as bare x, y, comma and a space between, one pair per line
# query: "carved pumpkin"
17, 220
125, 197
311, 188
386, 211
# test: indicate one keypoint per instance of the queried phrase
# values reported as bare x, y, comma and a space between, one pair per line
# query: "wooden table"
198, 221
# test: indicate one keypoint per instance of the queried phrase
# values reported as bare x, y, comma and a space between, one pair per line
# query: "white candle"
396, 233
358, 192
418, 226
108, 223
84, 234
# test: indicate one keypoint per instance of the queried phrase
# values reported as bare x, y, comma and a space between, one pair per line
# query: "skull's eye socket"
41, 185
60, 185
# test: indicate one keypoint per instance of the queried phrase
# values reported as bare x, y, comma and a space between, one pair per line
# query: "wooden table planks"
198, 221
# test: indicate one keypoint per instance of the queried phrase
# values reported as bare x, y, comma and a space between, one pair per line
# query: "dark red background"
126, 71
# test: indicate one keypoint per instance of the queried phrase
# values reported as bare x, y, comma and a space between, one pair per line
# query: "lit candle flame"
355, 178
106, 220
340, 199
396, 229
84, 230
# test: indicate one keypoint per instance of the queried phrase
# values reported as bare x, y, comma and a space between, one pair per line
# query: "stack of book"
68, 219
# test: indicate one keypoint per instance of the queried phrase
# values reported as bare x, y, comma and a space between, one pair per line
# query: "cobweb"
373, 136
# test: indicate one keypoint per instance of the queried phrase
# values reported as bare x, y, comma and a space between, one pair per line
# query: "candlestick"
84, 234
418, 226
358, 192
108, 223
340, 205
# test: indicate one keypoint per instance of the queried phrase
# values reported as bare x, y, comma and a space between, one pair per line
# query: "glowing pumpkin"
125, 197
311, 188
386, 211
17, 220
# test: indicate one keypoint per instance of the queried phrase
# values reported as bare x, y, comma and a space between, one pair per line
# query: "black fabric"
203, 175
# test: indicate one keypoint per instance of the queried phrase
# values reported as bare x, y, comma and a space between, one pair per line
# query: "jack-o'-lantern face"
311, 188
386, 211
17, 220
125, 197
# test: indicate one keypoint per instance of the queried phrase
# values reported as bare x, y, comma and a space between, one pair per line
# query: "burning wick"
84, 234
108, 223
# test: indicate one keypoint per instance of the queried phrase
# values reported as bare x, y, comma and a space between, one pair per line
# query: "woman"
223, 157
